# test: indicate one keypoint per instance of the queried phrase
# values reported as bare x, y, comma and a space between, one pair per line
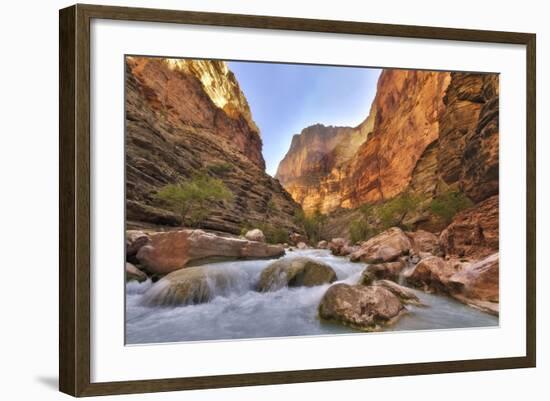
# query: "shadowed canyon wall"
184, 116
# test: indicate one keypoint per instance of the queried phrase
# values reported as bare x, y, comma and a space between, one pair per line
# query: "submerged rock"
255, 235
133, 273
295, 272
358, 306
387, 246
193, 285
170, 251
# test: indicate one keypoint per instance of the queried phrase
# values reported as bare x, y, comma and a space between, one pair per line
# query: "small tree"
447, 204
220, 168
393, 211
312, 224
360, 230
270, 208
191, 198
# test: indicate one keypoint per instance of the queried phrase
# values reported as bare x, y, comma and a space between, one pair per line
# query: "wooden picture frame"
74, 204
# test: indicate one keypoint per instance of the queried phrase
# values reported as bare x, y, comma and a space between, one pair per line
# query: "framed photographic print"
250, 200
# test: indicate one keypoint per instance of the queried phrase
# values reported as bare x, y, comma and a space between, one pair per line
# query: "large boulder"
433, 273
173, 250
380, 271
424, 241
480, 280
473, 233
361, 307
134, 241
301, 245
475, 284
295, 272
255, 235
387, 246
193, 285
133, 273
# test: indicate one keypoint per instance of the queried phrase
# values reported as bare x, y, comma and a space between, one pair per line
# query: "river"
238, 311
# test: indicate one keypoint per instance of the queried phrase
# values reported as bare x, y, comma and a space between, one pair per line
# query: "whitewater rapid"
238, 311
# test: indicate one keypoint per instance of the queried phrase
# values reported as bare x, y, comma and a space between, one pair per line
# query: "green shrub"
311, 224
273, 235
270, 208
448, 204
220, 168
360, 230
393, 212
192, 199
377, 217
367, 210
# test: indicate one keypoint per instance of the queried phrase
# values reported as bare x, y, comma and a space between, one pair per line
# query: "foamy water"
239, 311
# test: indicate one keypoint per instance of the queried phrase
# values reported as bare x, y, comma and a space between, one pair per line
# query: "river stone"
424, 241
255, 235
406, 295
361, 307
134, 241
322, 244
433, 273
336, 245
477, 284
387, 246
480, 280
133, 273
389, 271
296, 238
295, 272
192, 285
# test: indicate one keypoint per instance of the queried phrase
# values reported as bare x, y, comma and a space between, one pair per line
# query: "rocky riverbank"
184, 266
225, 303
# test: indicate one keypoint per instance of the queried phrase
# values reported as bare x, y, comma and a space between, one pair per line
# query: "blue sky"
285, 98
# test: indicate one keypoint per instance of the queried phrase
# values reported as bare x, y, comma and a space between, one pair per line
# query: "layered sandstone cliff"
310, 170
478, 148
431, 133
184, 116
403, 122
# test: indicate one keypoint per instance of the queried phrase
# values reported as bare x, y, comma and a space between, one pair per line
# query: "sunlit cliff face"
374, 161
219, 83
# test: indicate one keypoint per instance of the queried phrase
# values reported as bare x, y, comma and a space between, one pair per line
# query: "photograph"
277, 199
